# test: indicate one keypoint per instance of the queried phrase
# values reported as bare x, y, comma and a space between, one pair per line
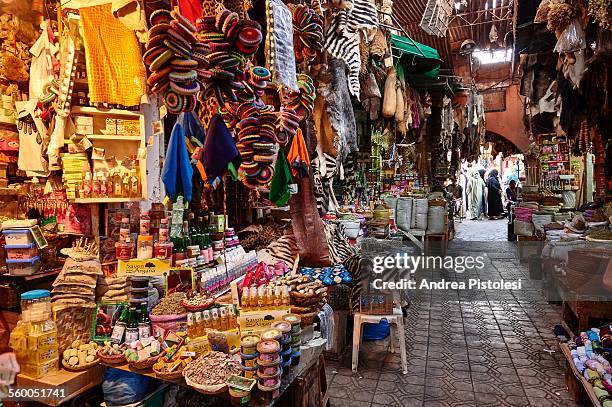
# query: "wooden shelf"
11, 192
71, 383
113, 137
108, 112
105, 200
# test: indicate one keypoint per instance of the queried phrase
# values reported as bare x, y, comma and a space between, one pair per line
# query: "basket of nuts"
197, 301
168, 314
111, 354
208, 374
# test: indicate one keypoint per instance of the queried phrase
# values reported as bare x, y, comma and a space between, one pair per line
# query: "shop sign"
145, 267
259, 320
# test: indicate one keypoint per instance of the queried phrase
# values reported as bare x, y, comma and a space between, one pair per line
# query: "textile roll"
523, 228
403, 213
420, 207
540, 220
391, 203
435, 219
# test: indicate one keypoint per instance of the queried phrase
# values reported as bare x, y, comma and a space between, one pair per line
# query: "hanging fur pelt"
339, 111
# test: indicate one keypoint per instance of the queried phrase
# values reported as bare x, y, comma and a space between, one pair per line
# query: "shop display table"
413, 235
71, 384
304, 385
577, 385
578, 309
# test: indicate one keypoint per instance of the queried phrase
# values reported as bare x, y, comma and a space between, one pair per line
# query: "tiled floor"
483, 229
465, 347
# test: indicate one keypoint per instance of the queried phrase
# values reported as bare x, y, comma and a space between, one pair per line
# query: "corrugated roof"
471, 22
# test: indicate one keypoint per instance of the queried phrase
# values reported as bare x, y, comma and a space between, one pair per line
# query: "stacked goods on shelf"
112, 289
420, 210
249, 355
34, 340
21, 251
74, 166
286, 351
296, 337
269, 362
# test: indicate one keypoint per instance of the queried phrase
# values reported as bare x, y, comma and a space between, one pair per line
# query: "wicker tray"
169, 375
220, 388
144, 364
111, 360
80, 368
308, 319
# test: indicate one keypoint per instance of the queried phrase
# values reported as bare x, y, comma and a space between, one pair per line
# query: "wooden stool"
396, 322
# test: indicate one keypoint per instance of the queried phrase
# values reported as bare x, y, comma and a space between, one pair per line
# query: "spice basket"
306, 299
167, 322
216, 389
376, 304
584, 281
308, 319
111, 360
168, 375
145, 363
80, 368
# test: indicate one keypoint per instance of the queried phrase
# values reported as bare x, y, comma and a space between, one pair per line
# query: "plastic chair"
396, 323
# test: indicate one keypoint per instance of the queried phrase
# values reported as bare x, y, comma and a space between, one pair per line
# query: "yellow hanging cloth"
115, 72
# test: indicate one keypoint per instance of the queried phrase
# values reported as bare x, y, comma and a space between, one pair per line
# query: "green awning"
416, 58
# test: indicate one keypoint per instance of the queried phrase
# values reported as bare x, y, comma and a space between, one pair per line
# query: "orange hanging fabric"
298, 156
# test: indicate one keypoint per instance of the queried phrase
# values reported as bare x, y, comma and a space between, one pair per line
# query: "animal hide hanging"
340, 110
308, 227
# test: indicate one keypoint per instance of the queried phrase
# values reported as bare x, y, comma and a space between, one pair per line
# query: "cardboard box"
260, 320
111, 126
84, 129
83, 120
127, 127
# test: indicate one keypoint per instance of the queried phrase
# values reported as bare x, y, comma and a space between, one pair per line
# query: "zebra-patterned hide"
349, 166
283, 249
323, 176
339, 247
342, 37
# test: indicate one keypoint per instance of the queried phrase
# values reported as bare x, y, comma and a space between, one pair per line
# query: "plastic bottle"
222, 319
87, 185
124, 229
199, 323
207, 320
216, 322
95, 186
104, 192
134, 185
117, 185
125, 184
233, 319
244, 301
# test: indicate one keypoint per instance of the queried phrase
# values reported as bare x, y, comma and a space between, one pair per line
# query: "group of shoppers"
484, 197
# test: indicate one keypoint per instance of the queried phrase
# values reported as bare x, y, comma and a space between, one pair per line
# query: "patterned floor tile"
465, 348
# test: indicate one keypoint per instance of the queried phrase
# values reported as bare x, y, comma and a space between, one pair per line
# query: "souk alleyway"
465, 347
